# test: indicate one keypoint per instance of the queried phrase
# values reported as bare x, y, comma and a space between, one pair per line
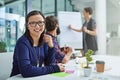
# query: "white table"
112, 72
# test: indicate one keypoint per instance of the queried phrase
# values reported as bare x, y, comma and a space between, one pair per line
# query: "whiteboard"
69, 37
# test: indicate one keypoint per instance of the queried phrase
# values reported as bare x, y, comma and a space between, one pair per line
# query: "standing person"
34, 53
89, 31
52, 28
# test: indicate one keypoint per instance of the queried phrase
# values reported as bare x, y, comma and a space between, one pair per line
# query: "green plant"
2, 46
88, 57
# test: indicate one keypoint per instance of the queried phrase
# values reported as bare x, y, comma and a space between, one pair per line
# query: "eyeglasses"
40, 23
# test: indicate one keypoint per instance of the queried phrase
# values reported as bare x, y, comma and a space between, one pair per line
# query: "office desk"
112, 72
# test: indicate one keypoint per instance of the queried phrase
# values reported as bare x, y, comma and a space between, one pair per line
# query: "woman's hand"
61, 67
69, 26
48, 39
85, 30
67, 50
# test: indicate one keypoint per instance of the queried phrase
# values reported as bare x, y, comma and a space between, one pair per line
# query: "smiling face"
36, 25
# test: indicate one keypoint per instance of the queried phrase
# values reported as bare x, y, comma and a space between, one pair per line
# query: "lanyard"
37, 52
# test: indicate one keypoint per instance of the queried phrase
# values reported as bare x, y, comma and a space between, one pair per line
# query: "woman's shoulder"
23, 39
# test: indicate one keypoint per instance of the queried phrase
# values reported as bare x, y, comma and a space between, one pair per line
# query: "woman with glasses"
34, 53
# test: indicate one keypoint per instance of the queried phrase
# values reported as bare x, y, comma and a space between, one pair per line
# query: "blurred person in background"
52, 28
89, 31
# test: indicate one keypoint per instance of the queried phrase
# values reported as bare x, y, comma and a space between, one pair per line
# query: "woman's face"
36, 25
85, 14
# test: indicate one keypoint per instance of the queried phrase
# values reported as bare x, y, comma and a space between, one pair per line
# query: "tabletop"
74, 71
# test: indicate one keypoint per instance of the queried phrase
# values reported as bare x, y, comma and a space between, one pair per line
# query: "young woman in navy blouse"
34, 53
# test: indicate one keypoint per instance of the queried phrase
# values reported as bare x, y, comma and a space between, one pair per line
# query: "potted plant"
87, 68
2, 46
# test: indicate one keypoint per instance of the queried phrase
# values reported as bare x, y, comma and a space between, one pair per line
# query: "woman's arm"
67, 51
77, 30
49, 55
93, 32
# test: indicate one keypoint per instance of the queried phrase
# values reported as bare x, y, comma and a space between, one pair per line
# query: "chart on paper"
69, 37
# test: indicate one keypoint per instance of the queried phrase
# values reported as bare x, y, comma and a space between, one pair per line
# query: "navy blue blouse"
26, 57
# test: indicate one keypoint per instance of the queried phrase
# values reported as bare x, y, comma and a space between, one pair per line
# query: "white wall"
5, 65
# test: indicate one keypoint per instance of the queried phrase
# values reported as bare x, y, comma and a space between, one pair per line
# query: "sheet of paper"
60, 74
69, 37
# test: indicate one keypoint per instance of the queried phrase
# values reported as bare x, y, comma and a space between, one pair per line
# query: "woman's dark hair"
89, 10
27, 33
51, 22
58, 31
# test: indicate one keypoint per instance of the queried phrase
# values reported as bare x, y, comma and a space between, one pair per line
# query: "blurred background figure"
52, 29
89, 31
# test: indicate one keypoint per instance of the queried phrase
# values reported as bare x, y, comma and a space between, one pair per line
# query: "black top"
89, 41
